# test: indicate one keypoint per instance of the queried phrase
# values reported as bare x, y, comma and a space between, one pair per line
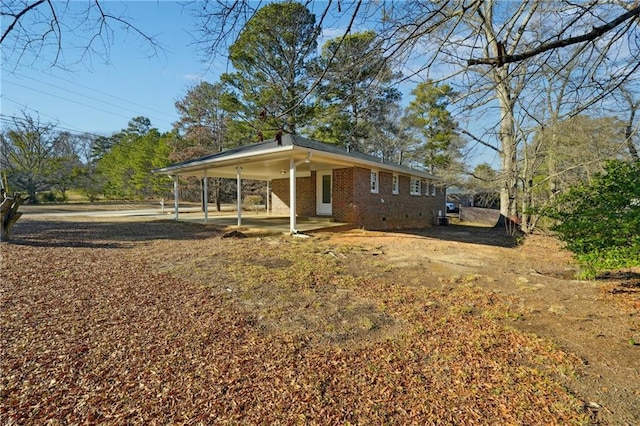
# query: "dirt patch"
597, 320
135, 321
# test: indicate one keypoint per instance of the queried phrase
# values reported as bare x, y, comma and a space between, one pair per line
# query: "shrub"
600, 221
252, 202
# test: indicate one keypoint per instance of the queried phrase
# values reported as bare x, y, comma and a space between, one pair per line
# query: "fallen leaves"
107, 330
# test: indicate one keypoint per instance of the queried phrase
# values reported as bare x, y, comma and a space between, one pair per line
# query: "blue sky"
100, 95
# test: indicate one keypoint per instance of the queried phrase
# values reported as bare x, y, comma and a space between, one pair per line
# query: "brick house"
307, 178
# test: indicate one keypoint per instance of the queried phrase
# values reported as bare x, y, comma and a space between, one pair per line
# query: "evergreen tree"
271, 57
438, 143
355, 99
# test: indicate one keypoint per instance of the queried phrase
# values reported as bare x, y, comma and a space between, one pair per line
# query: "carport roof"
270, 160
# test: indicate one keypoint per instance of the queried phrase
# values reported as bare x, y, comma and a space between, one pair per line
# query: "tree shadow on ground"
95, 234
492, 236
627, 279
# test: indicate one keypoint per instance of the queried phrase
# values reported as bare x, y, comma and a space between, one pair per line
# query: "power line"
12, 119
67, 100
110, 95
24, 107
135, 112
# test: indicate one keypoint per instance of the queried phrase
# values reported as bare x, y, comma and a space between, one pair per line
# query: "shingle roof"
293, 141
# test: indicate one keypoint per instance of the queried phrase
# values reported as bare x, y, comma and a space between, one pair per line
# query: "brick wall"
305, 200
354, 203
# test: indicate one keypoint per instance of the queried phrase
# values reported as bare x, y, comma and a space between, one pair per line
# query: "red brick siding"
354, 203
385, 210
342, 201
305, 196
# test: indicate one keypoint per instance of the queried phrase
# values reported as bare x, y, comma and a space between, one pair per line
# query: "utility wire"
111, 96
25, 107
135, 112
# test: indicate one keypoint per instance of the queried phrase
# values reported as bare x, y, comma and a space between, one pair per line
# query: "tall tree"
126, 167
438, 143
271, 57
204, 127
356, 96
504, 49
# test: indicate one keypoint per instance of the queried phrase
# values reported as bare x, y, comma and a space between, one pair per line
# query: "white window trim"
412, 181
395, 184
374, 182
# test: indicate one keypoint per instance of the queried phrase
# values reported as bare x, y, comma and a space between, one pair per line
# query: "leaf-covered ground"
168, 323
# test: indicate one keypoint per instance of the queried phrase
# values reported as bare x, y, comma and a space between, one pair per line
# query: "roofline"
210, 159
355, 158
372, 163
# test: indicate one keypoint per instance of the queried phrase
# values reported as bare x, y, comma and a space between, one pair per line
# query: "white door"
324, 192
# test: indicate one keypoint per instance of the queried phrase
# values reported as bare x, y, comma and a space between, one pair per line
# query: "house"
309, 178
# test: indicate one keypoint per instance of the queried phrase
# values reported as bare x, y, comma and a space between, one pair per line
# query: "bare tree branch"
38, 30
590, 36
17, 17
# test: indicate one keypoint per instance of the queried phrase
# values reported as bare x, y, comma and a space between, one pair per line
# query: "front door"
324, 192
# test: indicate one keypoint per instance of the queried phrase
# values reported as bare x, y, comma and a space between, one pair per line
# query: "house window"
374, 182
415, 186
426, 188
433, 189
394, 185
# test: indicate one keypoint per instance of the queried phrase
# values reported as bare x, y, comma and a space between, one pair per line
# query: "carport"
291, 157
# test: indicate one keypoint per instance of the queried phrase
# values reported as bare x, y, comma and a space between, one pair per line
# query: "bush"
600, 221
50, 197
252, 202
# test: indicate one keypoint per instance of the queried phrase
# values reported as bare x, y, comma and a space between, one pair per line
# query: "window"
426, 188
433, 189
374, 182
415, 186
394, 185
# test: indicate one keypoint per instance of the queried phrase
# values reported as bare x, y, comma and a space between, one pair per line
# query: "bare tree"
493, 53
631, 129
491, 50
43, 30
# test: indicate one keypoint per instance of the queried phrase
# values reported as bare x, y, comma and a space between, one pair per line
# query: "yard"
157, 322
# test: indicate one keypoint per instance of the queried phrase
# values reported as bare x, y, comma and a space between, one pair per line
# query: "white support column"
205, 188
292, 197
175, 196
268, 196
239, 193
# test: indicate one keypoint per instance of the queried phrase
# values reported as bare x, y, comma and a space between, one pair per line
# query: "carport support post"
268, 196
175, 196
239, 195
292, 196
205, 196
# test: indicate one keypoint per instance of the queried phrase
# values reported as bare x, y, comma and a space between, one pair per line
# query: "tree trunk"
508, 145
9, 213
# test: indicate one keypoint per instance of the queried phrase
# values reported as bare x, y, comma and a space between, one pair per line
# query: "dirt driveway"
597, 320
